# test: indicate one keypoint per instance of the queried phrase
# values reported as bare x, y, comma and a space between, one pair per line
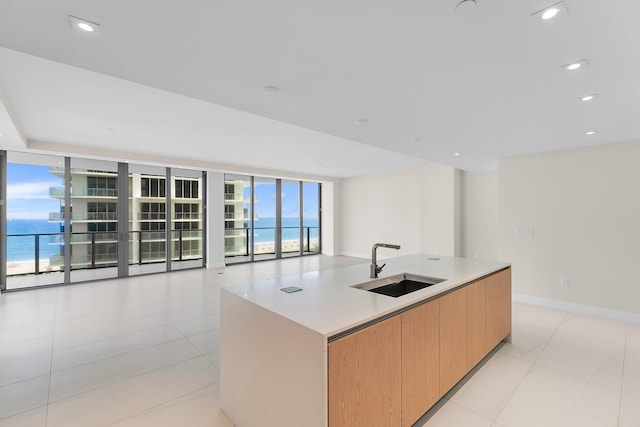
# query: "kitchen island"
334, 355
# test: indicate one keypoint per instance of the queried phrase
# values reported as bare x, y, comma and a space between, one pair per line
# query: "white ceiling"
182, 80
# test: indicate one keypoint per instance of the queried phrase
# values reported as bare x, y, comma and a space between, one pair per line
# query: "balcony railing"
91, 250
236, 216
239, 197
238, 241
58, 192
151, 216
187, 215
85, 216
154, 216
233, 196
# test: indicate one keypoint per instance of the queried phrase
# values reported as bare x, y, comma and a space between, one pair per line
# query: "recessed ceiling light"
362, 121
457, 154
551, 11
86, 27
587, 98
591, 132
576, 65
270, 90
83, 26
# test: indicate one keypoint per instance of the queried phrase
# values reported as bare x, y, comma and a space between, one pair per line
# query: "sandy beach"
287, 246
28, 267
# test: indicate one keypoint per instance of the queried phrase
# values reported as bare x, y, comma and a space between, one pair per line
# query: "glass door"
94, 220
237, 218
311, 217
290, 214
34, 220
265, 218
148, 219
187, 219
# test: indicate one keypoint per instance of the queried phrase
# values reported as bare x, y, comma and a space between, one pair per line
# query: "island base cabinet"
498, 307
364, 377
390, 373
453, 339
420, 361
476, 323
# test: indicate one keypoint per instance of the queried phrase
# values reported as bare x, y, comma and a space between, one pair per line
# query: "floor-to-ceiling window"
290, 216
70, 220
187, 219
238, 218
94, 220
311, 217
267, 218
34, 213
148, 219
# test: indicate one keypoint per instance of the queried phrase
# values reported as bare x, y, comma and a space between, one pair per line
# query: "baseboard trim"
355, 255
591, 310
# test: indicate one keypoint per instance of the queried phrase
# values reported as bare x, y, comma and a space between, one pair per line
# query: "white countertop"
329, 305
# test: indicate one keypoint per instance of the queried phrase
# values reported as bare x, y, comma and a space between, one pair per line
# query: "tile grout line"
125, 379
129, 378
116, 355
186, 337
115, 336
624, 362
160, 405
53, 340
533, 364
202, 354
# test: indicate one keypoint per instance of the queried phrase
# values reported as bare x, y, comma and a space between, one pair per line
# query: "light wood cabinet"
390, 373
420, 361
365, 377
476, 323
453, 338
498, 307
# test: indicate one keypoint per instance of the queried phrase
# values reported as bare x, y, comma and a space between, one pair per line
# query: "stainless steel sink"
398, 285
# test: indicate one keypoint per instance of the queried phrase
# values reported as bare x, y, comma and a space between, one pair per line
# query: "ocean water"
22, 248
265, 229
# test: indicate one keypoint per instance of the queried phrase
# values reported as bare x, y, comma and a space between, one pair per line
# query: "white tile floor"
144, 352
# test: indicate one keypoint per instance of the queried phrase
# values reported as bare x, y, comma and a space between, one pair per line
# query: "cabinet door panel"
498, 300
476, 323
365, 375
420, 361
453, 338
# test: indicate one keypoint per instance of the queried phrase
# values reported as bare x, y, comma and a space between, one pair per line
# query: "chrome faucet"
374, 264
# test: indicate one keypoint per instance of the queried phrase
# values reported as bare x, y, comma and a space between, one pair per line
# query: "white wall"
330, 217
413, 208
479, 215
440, 210
584, 206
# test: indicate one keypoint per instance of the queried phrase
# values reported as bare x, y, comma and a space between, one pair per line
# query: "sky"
28, 195
265, 206
28, 191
